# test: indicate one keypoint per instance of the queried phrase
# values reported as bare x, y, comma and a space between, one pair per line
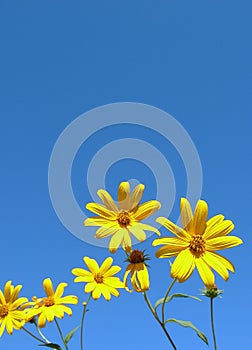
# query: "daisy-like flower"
51, 306
10, 315
195, 244
123, 220
138, 270
100, 280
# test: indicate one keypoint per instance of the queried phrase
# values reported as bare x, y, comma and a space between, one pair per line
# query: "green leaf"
70, 334
190, 325
177, 295
51, 345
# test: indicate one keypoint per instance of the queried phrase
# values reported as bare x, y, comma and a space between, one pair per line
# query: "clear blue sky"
60, 59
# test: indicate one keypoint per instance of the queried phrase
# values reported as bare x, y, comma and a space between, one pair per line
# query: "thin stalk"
165, 298
158, 320
60, 333
42, 335
34, 336
212, 323
82, 320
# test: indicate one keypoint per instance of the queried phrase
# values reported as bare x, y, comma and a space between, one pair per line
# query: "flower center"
123, 219
136, 256
98, 278
49, 301
197, 245
3, 311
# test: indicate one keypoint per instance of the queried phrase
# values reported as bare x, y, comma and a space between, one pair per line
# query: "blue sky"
60, 59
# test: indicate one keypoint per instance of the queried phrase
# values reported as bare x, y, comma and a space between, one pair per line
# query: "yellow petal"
138, 233
115, 241
107, 200
96, 293
220, 243
126, 241
104, 232
105, 265
89, 287
123, 195
42, 320
8, 288
9, 326
134, 281
183, 265
146, 227
60, 290
84, 279
176, 230
216, 264
168, 251
113, 282
199, 218
69, 299
146, 209
102, 211
224, 261
81, 272
171, 242
112, 271
186, 214
15, 292
218, 230
143, 277
114, 291
91, 264
105, 292
97, 221
48, 287
205, 272
215, 220
135, 196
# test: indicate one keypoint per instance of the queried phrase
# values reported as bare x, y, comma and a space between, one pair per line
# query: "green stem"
158, 320
165, 298
212, 323
34, 336
60, 333
82, 320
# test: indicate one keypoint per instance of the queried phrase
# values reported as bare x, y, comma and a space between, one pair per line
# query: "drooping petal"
91, 264
48, 287
176, 230
218, 230
183, 265
220, 243
205, 272
123, 195
186, 214
136, 196
146, 209
102, 211
105, 266
216, 264
143, 277
107, 200
199, 218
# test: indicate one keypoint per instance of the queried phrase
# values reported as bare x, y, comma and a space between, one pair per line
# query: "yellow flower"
138, 270
196, 243
122, 220
51, 306
10, 315
100, 280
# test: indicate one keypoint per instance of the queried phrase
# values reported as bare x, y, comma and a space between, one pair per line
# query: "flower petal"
112, 271
104, 232
105, 292
81, 272
91, 264
205, 272
97, 221
126, 242
146, 227
89, 287
105, 265
123, 195
216, 264
186, 214
101, 210
218, 230
138, 233
143, 277
107, 200
176, 230
199, 218
96, 293
215, 220
136, 196
146, 209
60, 290
224, 261
48, 287
220, 243
183, 265
115, 241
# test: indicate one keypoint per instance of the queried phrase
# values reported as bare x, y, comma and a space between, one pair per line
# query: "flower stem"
212, 323
165, 298
162, 324
34, 336
82, 320
60, 333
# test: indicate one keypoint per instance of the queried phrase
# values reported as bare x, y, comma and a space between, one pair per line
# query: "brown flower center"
123, 218
136, 256
197, 245
49, 301
98, 278
3, 311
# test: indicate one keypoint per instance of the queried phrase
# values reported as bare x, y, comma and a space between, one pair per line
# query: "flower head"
51, 306
100, 280
138, 270
10, 315
196, 242
123, 220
